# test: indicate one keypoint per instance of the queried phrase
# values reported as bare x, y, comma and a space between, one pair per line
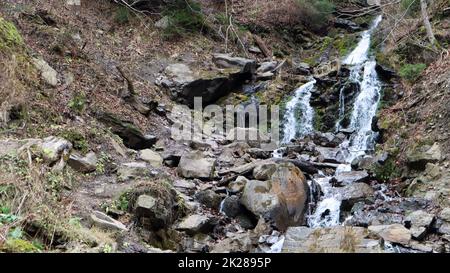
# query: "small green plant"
183, 16
77, 139
103, 159
316, 13
411, 5
123, 15
78, 103
411, 72
387, 171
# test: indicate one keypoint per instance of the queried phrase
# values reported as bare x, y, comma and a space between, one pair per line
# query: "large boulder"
237, 185
184, 84
282, 199
264, 171
418, 157
337, 239
196, 165
228, 61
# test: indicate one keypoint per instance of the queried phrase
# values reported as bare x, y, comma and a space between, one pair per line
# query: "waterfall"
299, 114
366, 103
327, 212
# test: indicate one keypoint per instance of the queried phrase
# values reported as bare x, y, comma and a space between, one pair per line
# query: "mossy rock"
18, 246
9, 35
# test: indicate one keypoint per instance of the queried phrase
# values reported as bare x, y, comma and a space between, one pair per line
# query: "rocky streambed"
314, 192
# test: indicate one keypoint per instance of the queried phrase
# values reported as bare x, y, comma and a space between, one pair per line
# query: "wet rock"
418, 157
82, 164
48, 74
103, 221
282, 199
385, 72
328, 139
152, 212
251, 136
231, 206
132, 137
354, 193
151, 157
300, 68
209, 198
395, 233
132, 170
337, 239
331, 155
264, 171
196, 223
346, 24
238, 185
53, 148
352, 177
196, 165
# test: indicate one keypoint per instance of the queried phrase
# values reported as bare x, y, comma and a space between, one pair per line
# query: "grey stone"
132, 170
337, 239
84, 164
101, 220
194, 224
49, 74
196, 165
151, 157
395, 233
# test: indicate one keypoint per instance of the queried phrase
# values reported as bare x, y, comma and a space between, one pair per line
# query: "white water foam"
299, 114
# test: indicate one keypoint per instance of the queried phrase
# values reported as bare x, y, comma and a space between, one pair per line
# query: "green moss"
345, 44
77, 139
411, 72
18, 245
9, 35
388, 171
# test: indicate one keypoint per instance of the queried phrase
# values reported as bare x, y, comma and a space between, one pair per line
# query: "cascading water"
299, 114
327, 212
366, 103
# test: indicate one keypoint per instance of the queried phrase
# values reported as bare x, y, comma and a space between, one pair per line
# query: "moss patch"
9, 35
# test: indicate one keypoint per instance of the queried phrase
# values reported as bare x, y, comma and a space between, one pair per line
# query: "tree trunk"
426, 22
